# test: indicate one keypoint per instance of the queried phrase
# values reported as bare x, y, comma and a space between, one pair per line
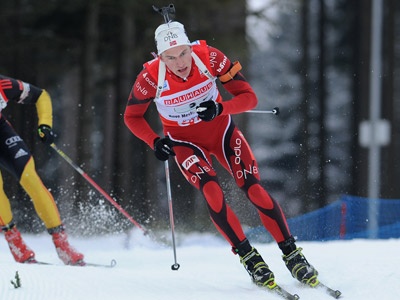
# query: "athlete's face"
178, 60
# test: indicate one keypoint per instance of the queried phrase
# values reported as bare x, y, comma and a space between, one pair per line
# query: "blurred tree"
304, 105
87, 55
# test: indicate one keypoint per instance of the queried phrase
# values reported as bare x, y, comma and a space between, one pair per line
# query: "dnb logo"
195, 177
190, 161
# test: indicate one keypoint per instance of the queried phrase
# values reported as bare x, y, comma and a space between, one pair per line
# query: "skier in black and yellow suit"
16, 158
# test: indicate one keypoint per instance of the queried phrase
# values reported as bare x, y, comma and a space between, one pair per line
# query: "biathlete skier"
16, 158
197, 123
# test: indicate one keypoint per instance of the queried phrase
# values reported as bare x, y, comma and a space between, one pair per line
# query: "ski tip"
113, 263
337, 294
284, 293
334, 293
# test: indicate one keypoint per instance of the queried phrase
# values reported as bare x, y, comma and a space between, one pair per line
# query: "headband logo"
170, 36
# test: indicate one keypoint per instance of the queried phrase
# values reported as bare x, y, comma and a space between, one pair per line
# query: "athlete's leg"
195, 164
238, 158
43, 200
5, 207
47, 210
20, 251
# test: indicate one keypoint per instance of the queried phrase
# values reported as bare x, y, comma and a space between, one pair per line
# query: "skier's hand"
45, 133
208, 110
163, 148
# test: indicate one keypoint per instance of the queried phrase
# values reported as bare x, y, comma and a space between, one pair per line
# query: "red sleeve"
142, 94
244, 98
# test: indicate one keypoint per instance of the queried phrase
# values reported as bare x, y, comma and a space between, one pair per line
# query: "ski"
277, 289
112, 264
331, 292
316, 284
284, 293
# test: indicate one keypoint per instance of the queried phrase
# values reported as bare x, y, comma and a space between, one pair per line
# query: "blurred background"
331, 66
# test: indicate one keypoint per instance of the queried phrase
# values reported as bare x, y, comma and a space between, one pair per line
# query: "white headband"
170, 35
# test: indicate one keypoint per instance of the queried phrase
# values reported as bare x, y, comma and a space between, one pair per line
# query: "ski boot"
258, 270
297, 264
20, 251
65, 251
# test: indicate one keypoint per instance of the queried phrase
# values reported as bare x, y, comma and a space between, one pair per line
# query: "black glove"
46, 134
208, 110
163, 148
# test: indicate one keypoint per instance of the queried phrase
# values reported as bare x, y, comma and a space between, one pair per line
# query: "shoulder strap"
160, 80
202, 66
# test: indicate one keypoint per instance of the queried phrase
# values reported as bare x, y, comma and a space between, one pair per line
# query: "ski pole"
97, 187
274, 111
175, 266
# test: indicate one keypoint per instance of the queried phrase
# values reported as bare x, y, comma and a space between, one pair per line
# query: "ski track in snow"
361, 269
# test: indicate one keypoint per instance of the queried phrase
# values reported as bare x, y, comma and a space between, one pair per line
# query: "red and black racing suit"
195, 143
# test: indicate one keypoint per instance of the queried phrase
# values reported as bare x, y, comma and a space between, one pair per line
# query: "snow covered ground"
361, 269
